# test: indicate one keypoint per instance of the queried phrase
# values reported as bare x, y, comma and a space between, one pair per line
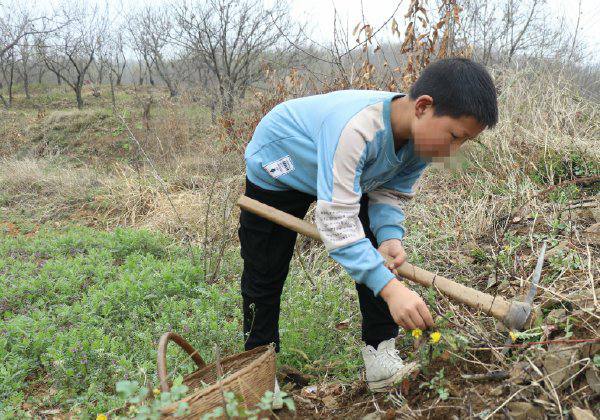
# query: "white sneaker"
277, 403
384, 367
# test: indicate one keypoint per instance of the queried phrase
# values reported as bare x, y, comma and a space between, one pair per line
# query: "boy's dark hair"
459, 87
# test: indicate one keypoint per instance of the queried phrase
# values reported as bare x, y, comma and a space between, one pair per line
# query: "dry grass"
49, 189
513, 162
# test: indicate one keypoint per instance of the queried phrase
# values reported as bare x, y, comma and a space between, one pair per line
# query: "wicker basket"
249, 374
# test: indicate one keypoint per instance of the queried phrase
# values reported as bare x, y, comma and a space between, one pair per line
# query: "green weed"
82, 309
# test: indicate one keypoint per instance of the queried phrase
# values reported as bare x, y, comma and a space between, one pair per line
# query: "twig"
504, 403
547, 382
564, 298
304, 270
340, 56
159, 178
586, 180
591, 275
205, 243
496, 375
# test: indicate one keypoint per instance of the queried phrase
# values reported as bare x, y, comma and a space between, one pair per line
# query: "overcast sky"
319, 15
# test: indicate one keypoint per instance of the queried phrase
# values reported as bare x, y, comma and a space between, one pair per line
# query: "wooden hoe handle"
496, 306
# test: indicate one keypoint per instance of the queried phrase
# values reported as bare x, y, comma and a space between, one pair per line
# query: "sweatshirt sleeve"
385, 211
341, 158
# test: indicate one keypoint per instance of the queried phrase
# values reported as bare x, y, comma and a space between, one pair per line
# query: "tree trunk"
10, 83
213, 110
172, 90
78, 88
26, 84
58, 80
112, 90
3, 100
140, 74
227, 98
100, 74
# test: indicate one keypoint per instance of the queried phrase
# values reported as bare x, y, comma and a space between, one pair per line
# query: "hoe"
514, 314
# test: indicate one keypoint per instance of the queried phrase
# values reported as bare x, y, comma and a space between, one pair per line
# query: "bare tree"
517, 25
150, 31
118, 59
501, 30
25, 62
7, 67
112, 56
234, 40
69, 52
17, 25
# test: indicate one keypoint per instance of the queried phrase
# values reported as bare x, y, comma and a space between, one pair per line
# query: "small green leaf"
289, 403
182, 409
126, 388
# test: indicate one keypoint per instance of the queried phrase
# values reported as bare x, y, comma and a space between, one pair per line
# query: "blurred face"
440, 136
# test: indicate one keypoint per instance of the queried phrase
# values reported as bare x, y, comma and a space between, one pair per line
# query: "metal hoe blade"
536, 276
526, 306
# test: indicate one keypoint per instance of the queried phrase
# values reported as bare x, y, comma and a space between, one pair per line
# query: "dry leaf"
395, 27
592, 376
521, 410
330, 402
342, 325
581, 414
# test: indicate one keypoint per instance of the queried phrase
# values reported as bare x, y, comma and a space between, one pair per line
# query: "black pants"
267, 249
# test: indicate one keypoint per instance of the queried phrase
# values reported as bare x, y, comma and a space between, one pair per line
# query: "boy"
358, 154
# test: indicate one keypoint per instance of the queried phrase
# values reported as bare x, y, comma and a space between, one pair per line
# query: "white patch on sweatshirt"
338, 224
279, 167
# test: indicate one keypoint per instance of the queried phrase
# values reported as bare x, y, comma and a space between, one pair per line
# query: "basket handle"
161, 358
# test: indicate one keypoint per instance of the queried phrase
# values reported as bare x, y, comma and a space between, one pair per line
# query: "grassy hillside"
117, 226
82, 308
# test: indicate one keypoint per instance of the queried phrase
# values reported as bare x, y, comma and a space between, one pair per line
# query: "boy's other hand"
393, 248
407, 308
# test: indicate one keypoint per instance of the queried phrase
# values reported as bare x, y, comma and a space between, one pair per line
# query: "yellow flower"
513, 335
417, 333
156, 391
101, 416
435, 336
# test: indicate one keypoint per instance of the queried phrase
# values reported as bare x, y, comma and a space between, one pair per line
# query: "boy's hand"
394, 249
407, 308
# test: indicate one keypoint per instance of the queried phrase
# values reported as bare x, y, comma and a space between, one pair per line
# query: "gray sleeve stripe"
359, 130
388, 196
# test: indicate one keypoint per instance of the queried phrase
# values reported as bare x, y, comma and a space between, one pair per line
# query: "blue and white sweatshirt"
338, 146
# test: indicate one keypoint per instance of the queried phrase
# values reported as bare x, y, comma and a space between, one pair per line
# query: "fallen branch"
496, 375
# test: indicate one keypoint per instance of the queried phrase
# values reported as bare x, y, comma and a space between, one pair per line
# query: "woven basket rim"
255, 358
268, 351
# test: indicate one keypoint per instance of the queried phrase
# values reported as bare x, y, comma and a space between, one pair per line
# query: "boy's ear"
422, 103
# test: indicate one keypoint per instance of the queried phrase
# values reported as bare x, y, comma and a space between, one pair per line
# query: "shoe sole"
385, 384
